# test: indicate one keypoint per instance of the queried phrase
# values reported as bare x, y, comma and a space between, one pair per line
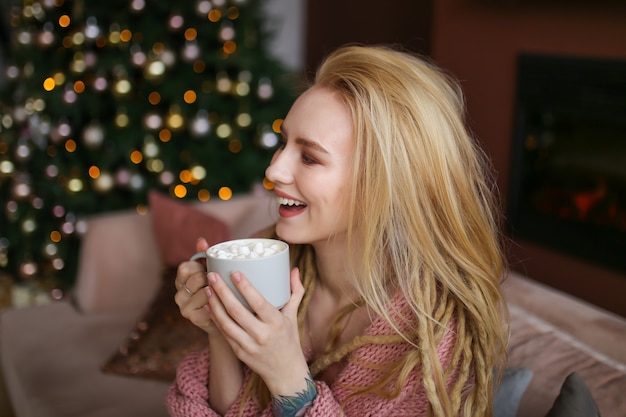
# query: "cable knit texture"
188, 395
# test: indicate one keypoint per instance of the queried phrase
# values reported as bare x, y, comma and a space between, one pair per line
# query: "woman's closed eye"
307, 160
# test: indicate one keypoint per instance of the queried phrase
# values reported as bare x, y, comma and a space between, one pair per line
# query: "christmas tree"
104, 101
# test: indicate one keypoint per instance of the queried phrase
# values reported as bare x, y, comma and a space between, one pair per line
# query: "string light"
225, 193
64, 21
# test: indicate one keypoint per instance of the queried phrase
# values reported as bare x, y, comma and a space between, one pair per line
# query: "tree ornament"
51, 171
122, 87
21, 190
175, 119
12, 72
100, 83
28, 269
227, 31
138, 57
267, 138
58, 264
137, 5
176, 22
104, 183
51, 249
92, 30
224, 83
93, 135
150, 148
191, 51
153, 121
46, 37
168, 57
22, 152
265, 90
62, 131
122, 177
29, 225
137, 182
200, 125
203, 7
37, 203
91, 59
21, 186
166, 178
155, 70
69, 96
6, 168
58, 211
24, 37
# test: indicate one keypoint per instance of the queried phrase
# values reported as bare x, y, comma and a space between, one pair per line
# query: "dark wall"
479, 43
332, 23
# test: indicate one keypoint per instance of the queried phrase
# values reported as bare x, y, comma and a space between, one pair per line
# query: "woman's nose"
278, 171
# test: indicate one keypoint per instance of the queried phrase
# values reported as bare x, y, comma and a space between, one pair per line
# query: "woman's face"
312, 168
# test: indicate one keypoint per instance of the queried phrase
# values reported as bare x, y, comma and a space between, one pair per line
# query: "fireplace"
567, 186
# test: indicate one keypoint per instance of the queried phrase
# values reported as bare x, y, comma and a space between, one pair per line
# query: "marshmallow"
245, 249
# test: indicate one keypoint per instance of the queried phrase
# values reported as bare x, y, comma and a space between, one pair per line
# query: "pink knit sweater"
188, 396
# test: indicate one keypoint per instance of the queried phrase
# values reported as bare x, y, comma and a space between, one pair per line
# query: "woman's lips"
289, 206
290, 211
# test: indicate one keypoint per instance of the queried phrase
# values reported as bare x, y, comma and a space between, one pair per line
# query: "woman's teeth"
289, 202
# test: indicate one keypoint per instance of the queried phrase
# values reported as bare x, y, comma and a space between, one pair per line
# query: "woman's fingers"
192, 302
297, 293
190, 277
227, 299
202, 245
195, 281
227, 312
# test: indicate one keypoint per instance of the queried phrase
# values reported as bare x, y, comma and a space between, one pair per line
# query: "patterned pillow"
161, 338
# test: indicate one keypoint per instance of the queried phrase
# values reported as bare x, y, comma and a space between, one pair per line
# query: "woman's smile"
289, 207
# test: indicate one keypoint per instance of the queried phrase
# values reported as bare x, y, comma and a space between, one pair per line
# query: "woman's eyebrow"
306, 142
311, 144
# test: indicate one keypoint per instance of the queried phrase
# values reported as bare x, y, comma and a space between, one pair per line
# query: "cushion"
512, 386
178, 225
119, 266
160, 339
574, 400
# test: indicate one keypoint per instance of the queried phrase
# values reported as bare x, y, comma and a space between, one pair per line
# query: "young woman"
396, 308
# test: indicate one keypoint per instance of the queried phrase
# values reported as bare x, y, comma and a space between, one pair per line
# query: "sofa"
109, 348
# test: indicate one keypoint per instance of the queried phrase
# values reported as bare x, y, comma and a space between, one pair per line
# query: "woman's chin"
287, 234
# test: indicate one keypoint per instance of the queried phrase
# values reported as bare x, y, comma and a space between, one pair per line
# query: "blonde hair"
422, 187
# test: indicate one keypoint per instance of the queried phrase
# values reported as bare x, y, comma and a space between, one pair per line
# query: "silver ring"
187, 289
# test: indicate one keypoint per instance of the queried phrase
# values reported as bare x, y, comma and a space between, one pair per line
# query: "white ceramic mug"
267, 270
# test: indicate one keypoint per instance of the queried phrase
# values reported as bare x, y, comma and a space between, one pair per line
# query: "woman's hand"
268, 341
191, 298
226, 375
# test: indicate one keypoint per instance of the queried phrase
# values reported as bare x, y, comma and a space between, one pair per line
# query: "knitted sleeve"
188, 395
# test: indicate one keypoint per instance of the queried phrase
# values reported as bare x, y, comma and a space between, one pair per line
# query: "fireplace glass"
568, 168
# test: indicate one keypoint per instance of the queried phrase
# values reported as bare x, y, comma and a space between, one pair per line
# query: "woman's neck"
333, 273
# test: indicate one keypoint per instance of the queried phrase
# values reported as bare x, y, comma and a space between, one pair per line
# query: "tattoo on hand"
294, 406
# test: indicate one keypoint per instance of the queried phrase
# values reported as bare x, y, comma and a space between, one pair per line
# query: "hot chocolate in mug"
264, 262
